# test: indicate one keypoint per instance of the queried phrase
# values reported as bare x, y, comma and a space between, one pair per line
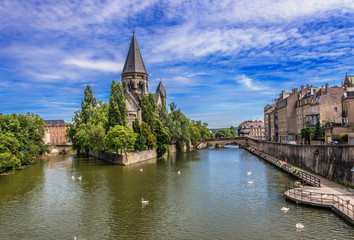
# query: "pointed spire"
161, 88
134, 62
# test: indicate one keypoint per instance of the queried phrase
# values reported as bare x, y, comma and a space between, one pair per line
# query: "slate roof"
162, 89
134, 62
331, 91
54, 123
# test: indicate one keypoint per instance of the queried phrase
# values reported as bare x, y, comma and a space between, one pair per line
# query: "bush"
343, 138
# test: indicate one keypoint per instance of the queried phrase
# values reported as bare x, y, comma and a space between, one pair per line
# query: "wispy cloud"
108, 66
250, 83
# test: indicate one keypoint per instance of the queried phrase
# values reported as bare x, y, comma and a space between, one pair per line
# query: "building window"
335, 109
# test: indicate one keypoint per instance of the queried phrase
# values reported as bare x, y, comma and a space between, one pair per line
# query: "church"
135, 81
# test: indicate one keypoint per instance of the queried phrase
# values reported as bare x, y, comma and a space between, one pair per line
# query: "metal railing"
321, 199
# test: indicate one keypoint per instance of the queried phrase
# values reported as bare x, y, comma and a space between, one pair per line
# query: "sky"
220, 61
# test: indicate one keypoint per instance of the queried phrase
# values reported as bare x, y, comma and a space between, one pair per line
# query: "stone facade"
252, 129
348, 108
135, 81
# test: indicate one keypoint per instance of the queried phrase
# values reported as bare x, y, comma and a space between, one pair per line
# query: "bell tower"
134, 75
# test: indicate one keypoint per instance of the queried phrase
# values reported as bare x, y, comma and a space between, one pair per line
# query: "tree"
162, 113
87, 105
194, 134
96, 135
117, 110
233, 131
150, 139
225, 132
307, 133
120, 137
140, 140
319, 133
205, 133
177, 124
100, 114
82, 139
148, 110
162, 137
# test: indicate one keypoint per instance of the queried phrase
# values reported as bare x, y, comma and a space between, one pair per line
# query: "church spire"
134, 62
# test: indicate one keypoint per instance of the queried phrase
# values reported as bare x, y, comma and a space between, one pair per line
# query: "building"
135, 81
303, 106
269, 121
251, 129
348, 109
55, 132
348, 83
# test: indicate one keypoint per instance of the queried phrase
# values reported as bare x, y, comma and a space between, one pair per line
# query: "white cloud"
250, 83
106, 66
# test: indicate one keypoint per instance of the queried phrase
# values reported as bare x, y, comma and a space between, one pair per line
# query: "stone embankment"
322, 193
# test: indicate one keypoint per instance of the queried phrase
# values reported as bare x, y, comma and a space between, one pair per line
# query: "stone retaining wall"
331, 161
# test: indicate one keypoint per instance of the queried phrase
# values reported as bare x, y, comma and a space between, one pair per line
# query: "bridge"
221, 142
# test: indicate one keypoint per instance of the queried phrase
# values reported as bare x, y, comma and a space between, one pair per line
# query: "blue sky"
220, 61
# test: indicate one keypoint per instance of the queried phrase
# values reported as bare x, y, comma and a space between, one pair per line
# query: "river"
210, 199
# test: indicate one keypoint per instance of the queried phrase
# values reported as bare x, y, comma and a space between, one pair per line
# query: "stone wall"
129, 157
331, 161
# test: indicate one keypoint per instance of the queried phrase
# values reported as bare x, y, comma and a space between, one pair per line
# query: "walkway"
322, 193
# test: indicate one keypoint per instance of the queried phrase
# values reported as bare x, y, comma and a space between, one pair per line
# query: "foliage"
177, 124
194, 134
87, 105
140, 140
233, 131
344, 137
162, 137
205, 133
100, 114
117, 110
21, 139
319, 132
225, 132
307, 133
96, 135
148, 110
120, 137
150, 139
162, 113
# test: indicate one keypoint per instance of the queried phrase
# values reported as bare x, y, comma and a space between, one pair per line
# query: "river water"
210, 199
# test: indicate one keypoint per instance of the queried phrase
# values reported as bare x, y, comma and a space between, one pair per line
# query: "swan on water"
250, 182
144, 201
299, 226
72, 177
141, 169
179, 172
285, 209
80, 178
249, 173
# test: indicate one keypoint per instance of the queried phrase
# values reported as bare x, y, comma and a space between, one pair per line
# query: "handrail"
322, 199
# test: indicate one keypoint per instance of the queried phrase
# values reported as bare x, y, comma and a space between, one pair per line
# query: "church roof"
134, 62
161, 88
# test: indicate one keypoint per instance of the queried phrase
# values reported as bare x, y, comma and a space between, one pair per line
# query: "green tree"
150, 139
225, 132
319, 133
82, 139
100, 114
177, 124
96, 135
120, 137
140, 140
87, 105
307, 133
117, 110
162, 137
148, 110
162, 113
205, 132
233, 131
194, 134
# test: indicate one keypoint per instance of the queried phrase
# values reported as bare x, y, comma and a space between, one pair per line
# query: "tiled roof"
54, 123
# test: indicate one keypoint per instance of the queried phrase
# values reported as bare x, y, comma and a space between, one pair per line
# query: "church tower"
134, 75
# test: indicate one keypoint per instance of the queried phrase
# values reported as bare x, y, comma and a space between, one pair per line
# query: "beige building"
348, 109
268, 110
252, 129
303, 105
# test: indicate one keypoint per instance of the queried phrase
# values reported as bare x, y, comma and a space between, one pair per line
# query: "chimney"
326, 88
302, 87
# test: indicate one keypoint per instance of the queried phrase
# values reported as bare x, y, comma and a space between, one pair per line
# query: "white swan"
80, 178
284, 209
141, 169
249, 173
250, 182
179, 172
72, 177
299, 226
144, 201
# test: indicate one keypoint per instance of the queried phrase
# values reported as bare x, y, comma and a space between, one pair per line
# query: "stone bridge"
220, 142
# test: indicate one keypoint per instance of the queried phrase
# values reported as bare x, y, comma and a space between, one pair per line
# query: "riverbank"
322, 193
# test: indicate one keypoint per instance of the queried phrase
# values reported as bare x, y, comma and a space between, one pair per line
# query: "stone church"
135, 81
